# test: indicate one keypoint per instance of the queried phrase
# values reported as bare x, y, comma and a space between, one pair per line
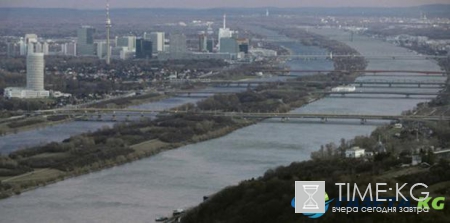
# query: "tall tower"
35, 70
108, 28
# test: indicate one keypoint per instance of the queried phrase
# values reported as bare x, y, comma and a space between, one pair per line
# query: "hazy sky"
211, 3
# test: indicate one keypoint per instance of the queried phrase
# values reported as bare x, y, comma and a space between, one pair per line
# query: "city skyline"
89, 4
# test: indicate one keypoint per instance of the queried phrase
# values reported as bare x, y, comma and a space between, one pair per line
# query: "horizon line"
234, 8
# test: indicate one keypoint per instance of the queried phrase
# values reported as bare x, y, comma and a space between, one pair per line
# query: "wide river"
145, 189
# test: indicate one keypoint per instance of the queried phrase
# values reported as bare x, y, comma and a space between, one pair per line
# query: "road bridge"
343, 93
324, 117
418, 72
360, 83
368, 56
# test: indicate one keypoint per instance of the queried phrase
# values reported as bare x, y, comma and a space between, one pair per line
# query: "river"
142, 190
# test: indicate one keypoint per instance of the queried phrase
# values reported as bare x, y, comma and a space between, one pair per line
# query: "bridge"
361, 83
342, 93
255, 115
418, 72
371, 57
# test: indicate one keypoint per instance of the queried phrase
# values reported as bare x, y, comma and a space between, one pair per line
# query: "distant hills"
435, 10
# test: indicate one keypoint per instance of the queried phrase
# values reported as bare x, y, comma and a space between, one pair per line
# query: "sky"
96, 4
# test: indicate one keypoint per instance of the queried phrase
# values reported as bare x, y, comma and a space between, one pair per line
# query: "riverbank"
110, 147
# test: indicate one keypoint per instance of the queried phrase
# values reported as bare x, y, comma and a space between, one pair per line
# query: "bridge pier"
284, 119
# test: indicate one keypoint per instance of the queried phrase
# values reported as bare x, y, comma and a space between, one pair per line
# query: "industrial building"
225, 32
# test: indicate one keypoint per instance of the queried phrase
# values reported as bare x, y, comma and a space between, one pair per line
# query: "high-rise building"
85, 43
35, 70
35, 78
203, 42
69, 49
158, 41
12, 49
23, 47
144, 48
126, 41
45, 48
178, 47
210, 45
101, 49
229, 45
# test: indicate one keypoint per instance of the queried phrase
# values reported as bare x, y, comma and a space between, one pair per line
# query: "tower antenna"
108, 28
224, 21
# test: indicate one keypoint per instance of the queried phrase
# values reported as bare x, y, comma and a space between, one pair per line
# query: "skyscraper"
35, 70
178, 47
101, 49
45, 48
22, 47
35, 78
158, 39
203, 42
85, 43
210, 45
126, 41
229, 45
143, 49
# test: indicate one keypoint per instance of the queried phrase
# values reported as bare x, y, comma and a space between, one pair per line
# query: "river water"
142, 190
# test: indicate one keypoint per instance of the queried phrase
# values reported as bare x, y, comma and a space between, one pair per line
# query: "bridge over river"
83, 114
